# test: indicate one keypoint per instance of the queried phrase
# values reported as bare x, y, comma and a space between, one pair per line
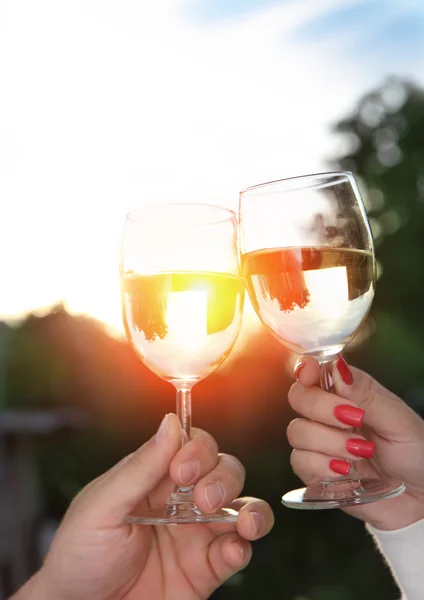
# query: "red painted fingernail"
297, 370
349, 415
340, 466
362, 448
345, 372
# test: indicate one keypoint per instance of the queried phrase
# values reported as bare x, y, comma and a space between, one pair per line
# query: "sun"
186, 317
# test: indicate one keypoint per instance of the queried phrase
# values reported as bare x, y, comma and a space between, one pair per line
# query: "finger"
221, 485
385, 412
124, 487
228, 554
255, 519
330, 409
311, 467
231, 551
196, 458
246, 525
306, 371
308, 435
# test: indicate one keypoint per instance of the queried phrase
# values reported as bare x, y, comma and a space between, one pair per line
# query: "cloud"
382, 36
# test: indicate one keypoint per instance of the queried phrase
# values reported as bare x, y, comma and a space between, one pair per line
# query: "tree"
385, 148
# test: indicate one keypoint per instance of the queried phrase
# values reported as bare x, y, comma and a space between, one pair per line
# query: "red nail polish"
340, 466
297, 370
362, 448
349, 415
345, 372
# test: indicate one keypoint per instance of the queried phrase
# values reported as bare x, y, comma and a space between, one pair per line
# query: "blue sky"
386, 34
380, 34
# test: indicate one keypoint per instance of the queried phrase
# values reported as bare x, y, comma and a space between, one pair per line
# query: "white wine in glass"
183, 325
309, 267
313, 299
182, 302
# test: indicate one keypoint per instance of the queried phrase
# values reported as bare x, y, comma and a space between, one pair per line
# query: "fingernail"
349, 415
340, 466
345, 372
162, 431
214, 494
297, 370
257, 521
362, 448
187, 471
239, 547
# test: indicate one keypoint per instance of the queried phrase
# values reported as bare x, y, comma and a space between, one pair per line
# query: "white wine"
312, 299
182, 324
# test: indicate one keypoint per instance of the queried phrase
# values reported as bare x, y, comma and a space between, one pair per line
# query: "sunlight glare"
329, 291
186, 318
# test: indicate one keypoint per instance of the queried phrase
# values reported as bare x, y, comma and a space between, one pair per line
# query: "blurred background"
107, 104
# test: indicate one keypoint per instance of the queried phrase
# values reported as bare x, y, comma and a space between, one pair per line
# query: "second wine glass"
182, 302
308, 262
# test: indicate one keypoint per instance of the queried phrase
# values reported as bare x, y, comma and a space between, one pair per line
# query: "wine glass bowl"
182, 303
307, 258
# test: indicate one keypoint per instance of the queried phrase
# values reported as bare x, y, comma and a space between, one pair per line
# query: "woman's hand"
96, 555
388, 443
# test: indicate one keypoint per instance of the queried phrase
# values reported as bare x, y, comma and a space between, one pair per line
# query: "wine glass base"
163, 517
181, 509
341, 493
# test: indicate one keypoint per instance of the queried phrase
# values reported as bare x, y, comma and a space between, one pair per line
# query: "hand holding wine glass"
96, 555
394, 430
308, 262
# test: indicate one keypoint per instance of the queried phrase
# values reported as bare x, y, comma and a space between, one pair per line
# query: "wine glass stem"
181, 502
325, 379
326, 383
184, 414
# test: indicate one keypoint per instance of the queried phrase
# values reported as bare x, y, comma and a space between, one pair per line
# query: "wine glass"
309, 268
182, 303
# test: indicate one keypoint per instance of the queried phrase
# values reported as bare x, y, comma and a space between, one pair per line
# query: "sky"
109, 104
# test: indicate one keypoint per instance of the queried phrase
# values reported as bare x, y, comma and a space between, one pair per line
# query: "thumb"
117, 493
385, 412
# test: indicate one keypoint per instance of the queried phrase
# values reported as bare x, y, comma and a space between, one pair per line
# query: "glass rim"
324, 179
134, 215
